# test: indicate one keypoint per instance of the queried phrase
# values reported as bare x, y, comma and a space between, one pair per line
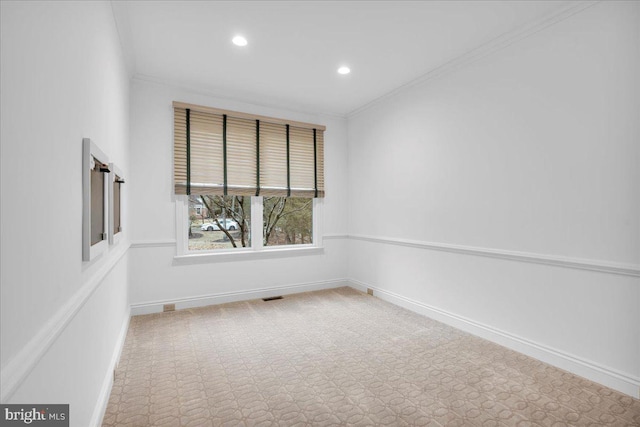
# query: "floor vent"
271, 298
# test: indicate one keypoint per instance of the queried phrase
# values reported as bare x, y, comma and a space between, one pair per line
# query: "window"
94, 212
240, 224
244, 182
287, 221
227, 227
115, 196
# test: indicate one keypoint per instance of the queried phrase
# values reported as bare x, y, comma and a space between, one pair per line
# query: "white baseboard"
225, 297
105, 391
593, 371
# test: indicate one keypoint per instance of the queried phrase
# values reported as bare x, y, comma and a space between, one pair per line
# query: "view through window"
287, 221
224, 222
219, 222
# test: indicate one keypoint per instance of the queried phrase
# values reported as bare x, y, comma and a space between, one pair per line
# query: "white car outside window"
228, 224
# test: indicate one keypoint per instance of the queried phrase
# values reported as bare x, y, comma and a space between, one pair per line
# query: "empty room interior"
320, 213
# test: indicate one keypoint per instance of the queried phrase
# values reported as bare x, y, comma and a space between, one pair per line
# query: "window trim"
257, 250
91, 150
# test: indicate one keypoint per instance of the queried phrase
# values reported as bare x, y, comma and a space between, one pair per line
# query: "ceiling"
295, 48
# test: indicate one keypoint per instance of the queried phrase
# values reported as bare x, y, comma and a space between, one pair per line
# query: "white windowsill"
247, 254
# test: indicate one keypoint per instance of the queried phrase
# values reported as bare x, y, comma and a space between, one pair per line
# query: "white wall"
63, 78
155, 275
532, 151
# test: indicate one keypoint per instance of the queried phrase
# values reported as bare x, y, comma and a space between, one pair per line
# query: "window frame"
91, 150
257, 248
114, 236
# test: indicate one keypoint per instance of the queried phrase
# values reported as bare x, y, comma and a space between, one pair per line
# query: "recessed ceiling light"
344, 70
239, 41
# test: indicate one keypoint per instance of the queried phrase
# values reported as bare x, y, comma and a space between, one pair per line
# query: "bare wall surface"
63, 78
155, 275
532, 149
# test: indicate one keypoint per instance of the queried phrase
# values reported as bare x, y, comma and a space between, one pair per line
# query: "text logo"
34, 415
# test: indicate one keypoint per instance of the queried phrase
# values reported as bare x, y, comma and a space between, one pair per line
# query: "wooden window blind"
241, 157
220, 152
273, 152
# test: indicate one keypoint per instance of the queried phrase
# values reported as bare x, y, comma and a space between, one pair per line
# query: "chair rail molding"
21, 364
632, 270
164, 243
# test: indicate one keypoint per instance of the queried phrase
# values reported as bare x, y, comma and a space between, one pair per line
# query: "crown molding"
489, 48
123, 28
286, 107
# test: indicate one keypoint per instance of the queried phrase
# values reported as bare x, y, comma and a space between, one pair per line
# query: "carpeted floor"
339, 357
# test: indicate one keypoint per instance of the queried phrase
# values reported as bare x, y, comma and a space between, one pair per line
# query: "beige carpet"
339, 357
